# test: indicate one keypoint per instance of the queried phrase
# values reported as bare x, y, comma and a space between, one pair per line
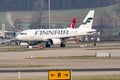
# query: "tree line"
105, 20
12, 5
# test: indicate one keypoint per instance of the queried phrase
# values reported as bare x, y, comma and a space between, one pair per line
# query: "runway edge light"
59, 74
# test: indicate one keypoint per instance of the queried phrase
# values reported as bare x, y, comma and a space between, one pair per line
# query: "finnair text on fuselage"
52, 32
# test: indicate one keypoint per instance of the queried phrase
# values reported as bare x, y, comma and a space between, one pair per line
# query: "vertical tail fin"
72, 25
88, 21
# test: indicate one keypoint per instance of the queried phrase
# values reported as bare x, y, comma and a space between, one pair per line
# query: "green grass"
104, 48
105, 77
21, 65
100, 77
27, 79
89, 46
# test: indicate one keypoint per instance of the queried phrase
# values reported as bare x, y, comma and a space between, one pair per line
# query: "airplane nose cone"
18, 37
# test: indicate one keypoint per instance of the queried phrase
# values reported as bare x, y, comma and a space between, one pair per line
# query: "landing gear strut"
47, 45
62, 45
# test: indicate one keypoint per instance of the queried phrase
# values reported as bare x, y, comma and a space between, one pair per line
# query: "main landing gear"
62, 45
47, 45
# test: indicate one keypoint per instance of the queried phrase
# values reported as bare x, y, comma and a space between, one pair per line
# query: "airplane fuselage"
58, 36
45, 34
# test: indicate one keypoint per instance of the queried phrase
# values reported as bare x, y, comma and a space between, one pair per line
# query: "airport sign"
59, 75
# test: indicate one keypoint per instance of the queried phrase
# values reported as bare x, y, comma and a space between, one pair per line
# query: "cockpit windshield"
23, 33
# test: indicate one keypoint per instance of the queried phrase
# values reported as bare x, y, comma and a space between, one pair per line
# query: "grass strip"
98, 77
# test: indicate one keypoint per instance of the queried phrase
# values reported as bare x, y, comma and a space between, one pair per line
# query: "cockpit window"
23, 33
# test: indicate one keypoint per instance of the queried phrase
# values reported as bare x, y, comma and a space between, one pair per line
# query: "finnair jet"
57, 36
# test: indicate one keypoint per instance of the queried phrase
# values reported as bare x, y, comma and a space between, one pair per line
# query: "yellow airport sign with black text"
59, 75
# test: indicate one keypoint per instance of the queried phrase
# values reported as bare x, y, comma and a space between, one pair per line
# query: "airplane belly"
40, 38
30, 38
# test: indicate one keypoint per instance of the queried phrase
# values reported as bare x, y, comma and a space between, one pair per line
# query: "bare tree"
104, 22
17, 25
117, 9
37, 18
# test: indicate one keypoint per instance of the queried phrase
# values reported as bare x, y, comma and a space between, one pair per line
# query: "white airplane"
57, 36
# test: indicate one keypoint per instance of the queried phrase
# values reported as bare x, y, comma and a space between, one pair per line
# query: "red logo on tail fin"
72, 25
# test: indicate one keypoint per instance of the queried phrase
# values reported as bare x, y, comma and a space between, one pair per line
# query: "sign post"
59, 75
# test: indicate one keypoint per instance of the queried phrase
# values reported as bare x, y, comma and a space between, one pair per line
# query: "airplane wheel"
47, 45
17, 42
62, 45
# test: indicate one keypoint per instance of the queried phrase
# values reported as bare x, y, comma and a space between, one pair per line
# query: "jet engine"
55, 41
33, 43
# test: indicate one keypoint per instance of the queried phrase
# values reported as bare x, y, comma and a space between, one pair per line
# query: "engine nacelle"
55, 41
33, 43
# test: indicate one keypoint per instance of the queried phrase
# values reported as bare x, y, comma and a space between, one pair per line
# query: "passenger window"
23, 33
